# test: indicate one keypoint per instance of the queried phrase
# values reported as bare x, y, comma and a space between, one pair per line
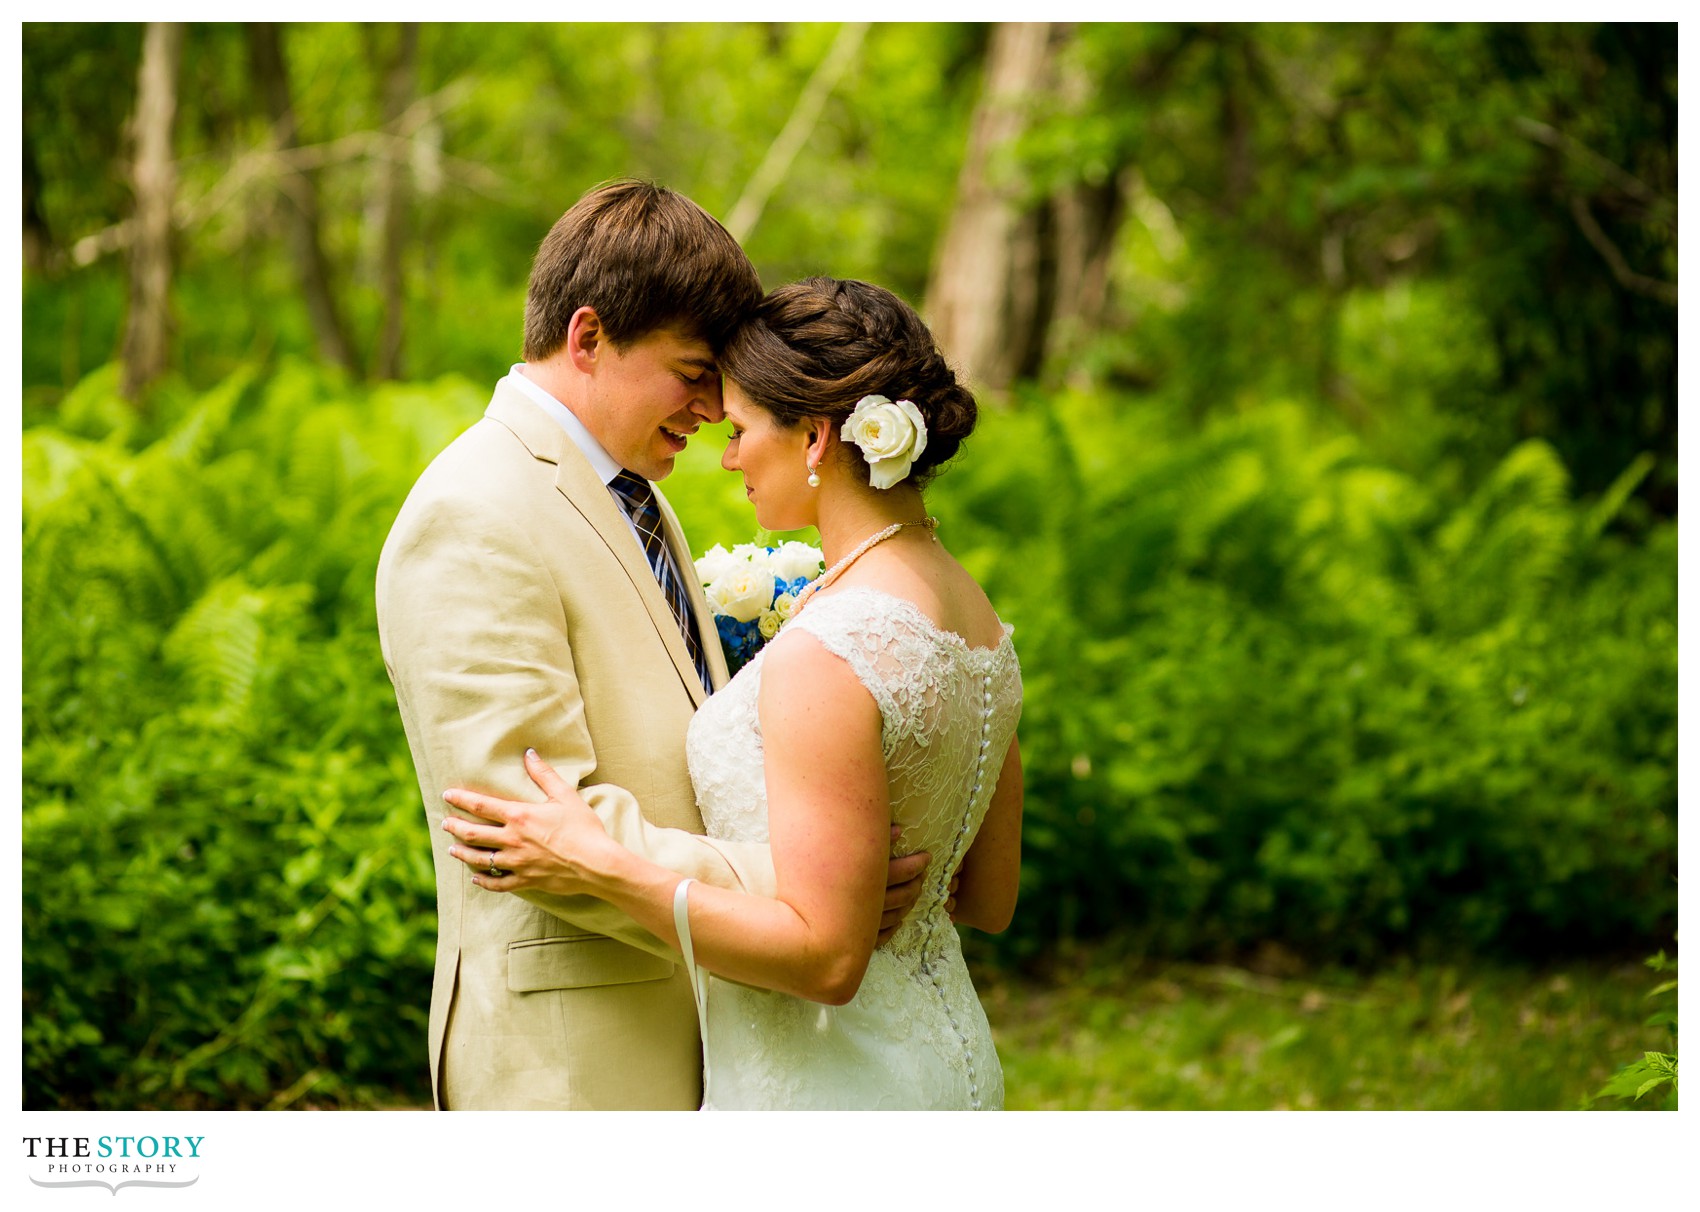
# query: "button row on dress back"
956, 853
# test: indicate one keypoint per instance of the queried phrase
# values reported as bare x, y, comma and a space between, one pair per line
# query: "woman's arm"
829, 817
472, 632
990, 874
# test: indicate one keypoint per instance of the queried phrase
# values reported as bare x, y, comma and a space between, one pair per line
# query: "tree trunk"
301, 194
742, 218
1022, 282
399, 88
1085, 215
983, 299
38, 242
1235, 124
1085, 218
154, 178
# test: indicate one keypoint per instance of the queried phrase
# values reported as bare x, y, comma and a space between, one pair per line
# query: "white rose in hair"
792, 560
892, 436
743, 593
715, 563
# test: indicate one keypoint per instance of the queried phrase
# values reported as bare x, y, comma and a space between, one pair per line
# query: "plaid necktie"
635, 495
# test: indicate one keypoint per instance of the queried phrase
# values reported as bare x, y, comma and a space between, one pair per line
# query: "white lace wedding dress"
914, 1036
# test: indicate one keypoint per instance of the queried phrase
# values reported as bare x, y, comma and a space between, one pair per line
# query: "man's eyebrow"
707, 364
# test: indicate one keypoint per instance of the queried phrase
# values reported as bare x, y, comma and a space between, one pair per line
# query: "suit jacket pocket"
579, 960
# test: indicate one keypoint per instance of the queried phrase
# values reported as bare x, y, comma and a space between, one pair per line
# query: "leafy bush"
1274, 690
226, 890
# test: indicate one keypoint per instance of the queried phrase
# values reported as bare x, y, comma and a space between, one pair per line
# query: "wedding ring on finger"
494, 870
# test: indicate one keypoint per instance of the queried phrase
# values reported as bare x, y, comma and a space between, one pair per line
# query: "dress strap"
699, 978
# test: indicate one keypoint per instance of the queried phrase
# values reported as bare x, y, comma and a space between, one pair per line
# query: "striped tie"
634, 493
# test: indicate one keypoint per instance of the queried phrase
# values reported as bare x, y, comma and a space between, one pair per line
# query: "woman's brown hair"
816, 347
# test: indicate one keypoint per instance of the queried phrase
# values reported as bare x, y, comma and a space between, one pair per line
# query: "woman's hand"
557, 846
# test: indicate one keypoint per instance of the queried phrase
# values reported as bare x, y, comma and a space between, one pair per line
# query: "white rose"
792, 560
783, 605
715, 563
770, 624
742, 594
755, 556
892, 436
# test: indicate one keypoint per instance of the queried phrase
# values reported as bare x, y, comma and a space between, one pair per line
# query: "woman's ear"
820, 442
585, 339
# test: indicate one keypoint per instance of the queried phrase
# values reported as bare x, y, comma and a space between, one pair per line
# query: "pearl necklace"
831, 574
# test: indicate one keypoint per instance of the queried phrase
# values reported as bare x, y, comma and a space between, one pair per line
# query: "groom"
536, 590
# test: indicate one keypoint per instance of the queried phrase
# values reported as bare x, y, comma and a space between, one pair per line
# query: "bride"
889, 698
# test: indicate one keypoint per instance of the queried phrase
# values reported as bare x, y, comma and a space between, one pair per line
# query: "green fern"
1652, 1069
1499, 555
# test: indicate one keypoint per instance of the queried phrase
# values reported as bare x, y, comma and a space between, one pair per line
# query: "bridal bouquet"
751, 590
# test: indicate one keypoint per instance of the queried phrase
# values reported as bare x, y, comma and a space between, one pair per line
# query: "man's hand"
903, 889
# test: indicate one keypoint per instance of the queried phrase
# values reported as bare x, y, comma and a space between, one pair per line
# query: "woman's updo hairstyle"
815, 347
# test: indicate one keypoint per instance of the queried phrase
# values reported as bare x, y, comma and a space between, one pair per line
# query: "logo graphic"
115, 1188
155, 1161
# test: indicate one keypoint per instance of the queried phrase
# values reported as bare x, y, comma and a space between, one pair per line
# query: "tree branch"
270, 163
1659, 208
1653, 288
747, 210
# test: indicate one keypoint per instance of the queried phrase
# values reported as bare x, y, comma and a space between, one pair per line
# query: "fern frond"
193, 438
1498, 555
1612, 501
226, 642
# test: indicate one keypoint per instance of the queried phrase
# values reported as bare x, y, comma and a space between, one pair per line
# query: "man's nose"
707, 404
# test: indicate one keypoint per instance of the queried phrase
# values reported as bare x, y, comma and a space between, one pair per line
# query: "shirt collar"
600, 460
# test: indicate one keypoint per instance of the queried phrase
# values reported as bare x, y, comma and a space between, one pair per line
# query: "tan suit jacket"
516, 608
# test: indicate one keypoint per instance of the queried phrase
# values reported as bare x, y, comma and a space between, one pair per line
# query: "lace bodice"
915, 1034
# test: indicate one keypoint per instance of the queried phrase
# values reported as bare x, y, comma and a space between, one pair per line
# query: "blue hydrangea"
741, 641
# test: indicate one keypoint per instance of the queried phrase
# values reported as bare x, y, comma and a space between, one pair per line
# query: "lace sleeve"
886, 651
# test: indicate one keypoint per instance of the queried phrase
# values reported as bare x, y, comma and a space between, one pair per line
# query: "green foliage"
1347, 609
1654, 1069
1391, 217
524, 119
226, 890
1276, 689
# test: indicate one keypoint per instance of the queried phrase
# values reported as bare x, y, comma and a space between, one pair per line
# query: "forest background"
1327, 472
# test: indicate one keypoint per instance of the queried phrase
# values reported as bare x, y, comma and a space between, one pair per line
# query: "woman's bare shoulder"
942, 590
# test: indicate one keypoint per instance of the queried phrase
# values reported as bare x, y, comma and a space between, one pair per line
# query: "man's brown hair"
642, 257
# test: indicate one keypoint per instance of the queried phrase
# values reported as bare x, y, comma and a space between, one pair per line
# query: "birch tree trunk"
1022, 280
983, 300
147, 328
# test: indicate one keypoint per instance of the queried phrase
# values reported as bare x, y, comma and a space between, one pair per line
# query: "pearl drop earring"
814, 477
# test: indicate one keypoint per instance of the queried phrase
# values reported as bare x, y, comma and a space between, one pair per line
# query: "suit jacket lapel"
577, 481
707, 632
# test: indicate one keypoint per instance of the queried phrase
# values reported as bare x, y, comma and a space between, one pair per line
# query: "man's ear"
585, 339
